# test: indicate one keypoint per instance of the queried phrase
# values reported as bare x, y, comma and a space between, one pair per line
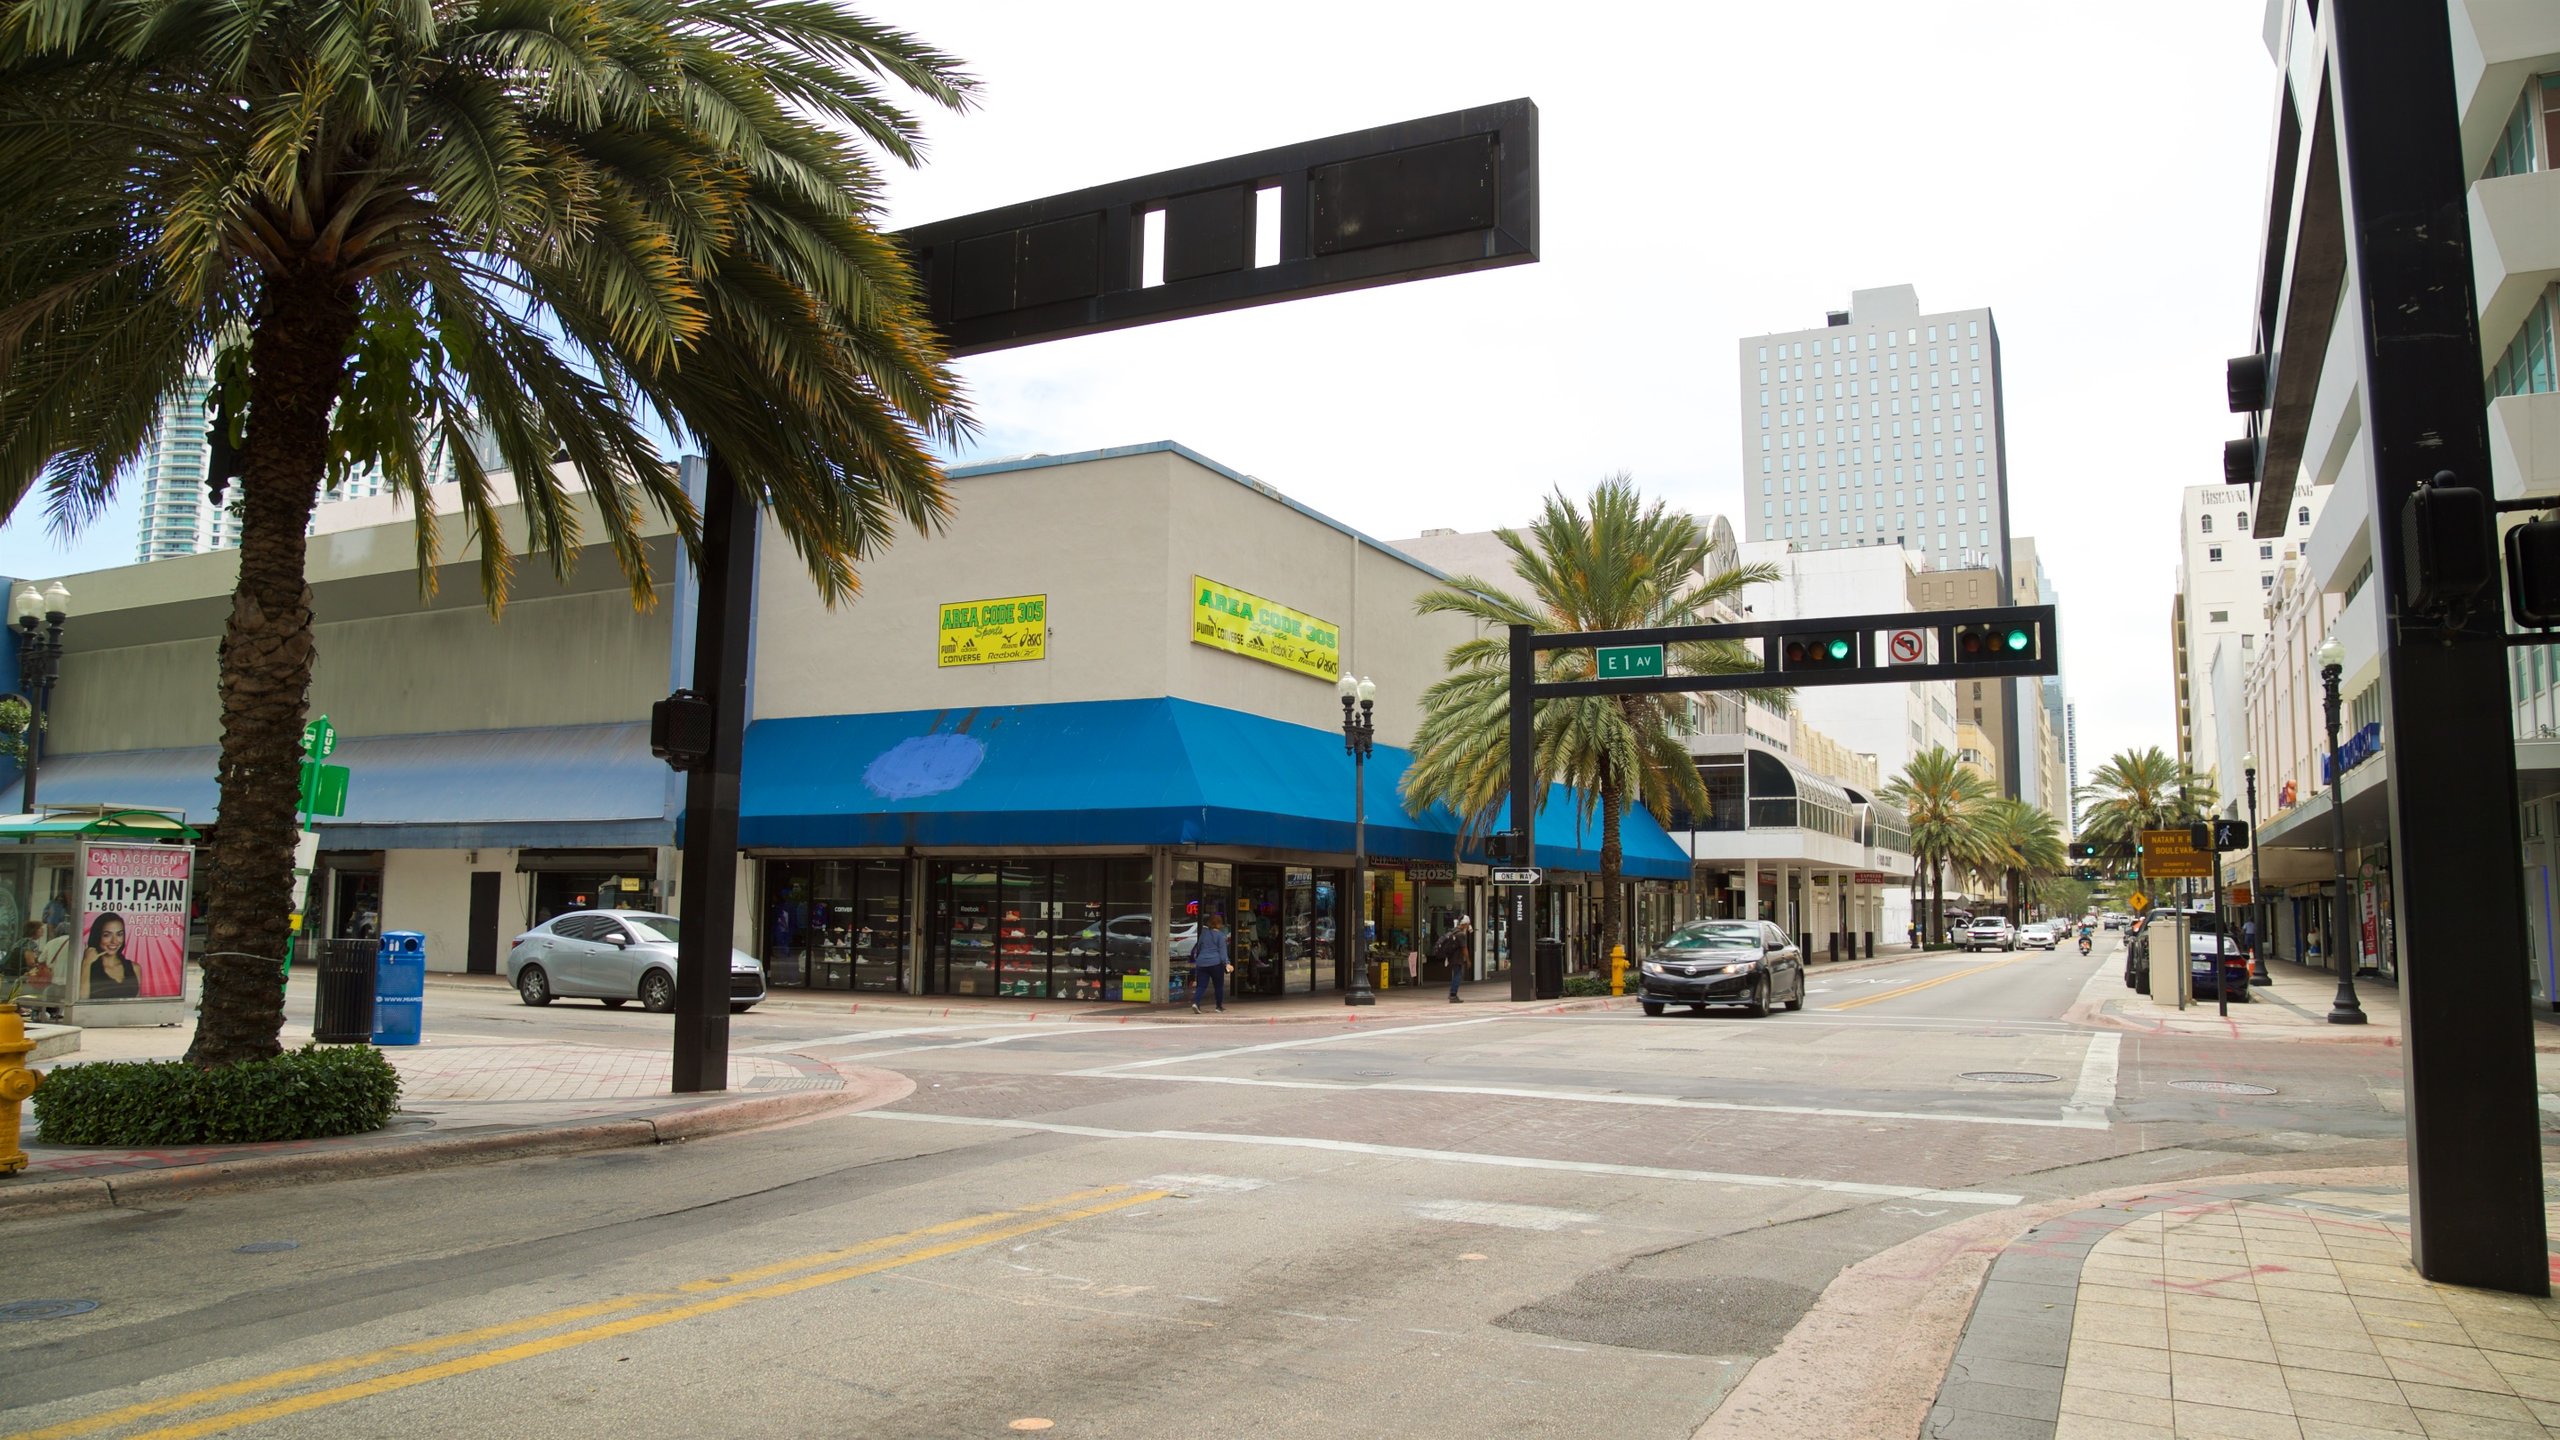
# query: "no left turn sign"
1907, 647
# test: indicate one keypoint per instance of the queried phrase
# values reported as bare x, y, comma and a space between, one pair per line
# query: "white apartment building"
2507, 91
2226, 582
1880, 428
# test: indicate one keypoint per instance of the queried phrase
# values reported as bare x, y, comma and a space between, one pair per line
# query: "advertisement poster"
133, 920
992, 632
1226, 618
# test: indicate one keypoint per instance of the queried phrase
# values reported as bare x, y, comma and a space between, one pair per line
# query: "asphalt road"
1476, 1223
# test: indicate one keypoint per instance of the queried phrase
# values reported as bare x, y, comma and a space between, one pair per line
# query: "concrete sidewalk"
2295, 1007
461, 1102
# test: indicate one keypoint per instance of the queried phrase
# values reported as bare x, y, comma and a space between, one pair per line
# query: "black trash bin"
1550, 970
344, 1013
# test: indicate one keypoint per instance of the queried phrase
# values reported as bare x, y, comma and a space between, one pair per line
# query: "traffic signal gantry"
1894, 648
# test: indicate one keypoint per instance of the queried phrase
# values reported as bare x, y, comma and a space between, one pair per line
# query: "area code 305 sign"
991, 632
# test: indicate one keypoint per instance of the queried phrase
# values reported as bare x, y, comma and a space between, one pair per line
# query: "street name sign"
1630, 662
1515, 875
2172, 855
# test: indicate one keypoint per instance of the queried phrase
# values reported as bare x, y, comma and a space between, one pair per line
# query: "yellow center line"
321, 1370
1896, 994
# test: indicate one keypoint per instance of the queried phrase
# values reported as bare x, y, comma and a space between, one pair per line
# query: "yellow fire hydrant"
17, 1082
1617, 969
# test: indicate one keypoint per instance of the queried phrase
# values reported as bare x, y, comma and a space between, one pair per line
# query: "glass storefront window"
1039, 929
964, 931
558, 892
835, 924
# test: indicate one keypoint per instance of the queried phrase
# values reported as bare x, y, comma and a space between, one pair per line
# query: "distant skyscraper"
178, 517
1883, 427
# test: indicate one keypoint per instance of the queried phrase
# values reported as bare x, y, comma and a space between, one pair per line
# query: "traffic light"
2084, 850
2533, 572
1819, 650
1993, 643
2449, 544
2230, 835
1502, 846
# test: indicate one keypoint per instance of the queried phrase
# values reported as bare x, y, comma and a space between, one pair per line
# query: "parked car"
1722, 962
2207, 940
2040, 936
1991, 932
616, 956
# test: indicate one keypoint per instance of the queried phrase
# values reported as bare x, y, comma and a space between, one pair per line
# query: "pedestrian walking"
2249, 936
1209, 957
1458, 952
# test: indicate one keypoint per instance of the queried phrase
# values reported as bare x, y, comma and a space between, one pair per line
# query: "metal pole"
2221, 937
1524, 817
2475, 1147
2345, 1010
710, 864
2262, 917
1357, 736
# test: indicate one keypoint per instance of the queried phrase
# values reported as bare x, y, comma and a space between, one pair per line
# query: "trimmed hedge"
306, 1094
1586, 985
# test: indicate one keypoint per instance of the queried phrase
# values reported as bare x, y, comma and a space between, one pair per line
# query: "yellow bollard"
17, 1082
1617, 969
1384, 969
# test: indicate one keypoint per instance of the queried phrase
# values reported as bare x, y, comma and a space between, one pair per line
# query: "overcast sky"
2093, 174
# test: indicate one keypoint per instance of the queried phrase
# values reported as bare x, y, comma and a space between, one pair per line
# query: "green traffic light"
1839, 648
2020, 639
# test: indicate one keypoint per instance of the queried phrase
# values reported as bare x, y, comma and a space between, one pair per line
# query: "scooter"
2084, 944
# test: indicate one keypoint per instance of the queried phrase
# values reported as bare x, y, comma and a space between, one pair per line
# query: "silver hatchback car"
616, 956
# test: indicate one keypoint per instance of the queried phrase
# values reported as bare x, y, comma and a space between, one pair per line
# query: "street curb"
865, 1089
1904, 1311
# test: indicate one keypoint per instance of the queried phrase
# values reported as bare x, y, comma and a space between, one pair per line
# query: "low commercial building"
1037, 753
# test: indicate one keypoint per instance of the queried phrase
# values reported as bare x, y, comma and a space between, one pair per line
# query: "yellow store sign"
1230, 619
991, 632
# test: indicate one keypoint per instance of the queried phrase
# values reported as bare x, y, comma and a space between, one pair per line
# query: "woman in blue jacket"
1209, 963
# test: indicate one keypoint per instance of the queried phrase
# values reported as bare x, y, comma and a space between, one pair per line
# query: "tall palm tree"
2137, 790
2026, 845
1948, 805
1617, 562
550, 222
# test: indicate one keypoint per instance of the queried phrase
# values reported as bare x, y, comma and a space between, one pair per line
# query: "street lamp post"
39, 616
1359, 736
2257, 895
2344, 1010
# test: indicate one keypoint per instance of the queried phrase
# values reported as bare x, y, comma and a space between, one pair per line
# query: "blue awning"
558, 786
1107, 773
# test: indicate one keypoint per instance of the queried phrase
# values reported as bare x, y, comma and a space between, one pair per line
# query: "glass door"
1263, 948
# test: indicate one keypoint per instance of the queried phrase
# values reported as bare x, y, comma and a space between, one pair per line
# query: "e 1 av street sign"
1515, 875
1628, 662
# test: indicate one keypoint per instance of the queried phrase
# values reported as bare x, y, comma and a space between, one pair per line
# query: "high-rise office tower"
1882, 427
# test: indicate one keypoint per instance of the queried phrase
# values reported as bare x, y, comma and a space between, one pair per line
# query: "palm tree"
1948, 805
1618, 563
2138, 790
2026, 846
546, 224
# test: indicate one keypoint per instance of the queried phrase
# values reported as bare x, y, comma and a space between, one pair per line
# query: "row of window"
1981, 489
2526, 366
1857, 525
1840, 344
2213, 553
1954, 377
2531, 136
2240, 521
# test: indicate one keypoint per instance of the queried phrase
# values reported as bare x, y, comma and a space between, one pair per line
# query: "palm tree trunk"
297, 360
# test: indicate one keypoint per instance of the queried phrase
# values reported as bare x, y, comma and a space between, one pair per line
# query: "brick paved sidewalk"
2243, 1311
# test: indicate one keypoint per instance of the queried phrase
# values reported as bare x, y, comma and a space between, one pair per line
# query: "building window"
2303, 515
2526, 367
2266, 582
2205, 524
2218, 617
2521, 141
2213, 555
2266, 552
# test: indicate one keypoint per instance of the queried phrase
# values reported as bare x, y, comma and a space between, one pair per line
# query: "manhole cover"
2009, 1077
267, 1247
2222, 1087
44, 1309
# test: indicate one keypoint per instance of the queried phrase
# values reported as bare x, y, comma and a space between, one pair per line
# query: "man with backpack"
1457, 950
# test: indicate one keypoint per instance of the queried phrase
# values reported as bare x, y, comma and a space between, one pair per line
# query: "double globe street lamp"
39, 616
2344, 1010
1359, 737
2260, 915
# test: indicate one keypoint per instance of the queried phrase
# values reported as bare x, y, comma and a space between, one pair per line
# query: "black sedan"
1750, 963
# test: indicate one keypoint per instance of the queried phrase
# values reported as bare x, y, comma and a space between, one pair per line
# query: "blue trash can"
400, 988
